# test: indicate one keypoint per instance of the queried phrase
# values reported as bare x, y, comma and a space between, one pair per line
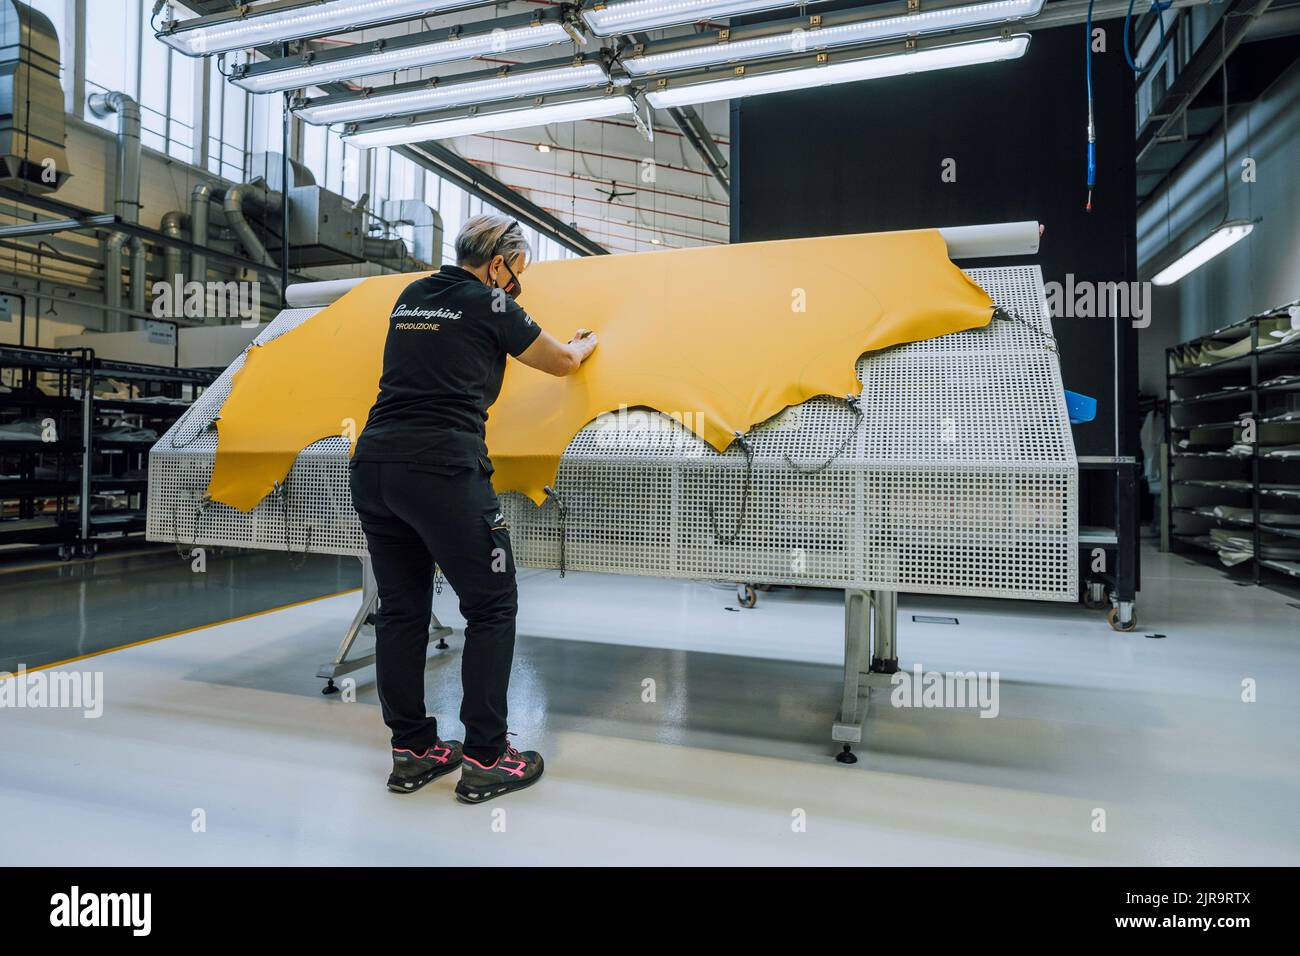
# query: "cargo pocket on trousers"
502, 559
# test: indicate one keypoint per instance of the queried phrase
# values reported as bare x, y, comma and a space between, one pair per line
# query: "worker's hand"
584, 341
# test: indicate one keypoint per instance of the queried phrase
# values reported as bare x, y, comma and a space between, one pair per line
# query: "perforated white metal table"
960, 477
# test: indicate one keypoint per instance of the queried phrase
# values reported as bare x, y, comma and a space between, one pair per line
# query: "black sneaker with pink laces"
512, 770
412, 770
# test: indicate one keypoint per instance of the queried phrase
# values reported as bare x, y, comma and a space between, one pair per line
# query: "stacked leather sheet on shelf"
1235, 546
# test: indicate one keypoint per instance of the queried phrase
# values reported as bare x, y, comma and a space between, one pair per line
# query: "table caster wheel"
1094, 596
1123, 627
746, 596
329, 688
846, 755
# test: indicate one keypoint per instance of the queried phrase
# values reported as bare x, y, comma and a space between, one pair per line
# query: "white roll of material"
305, 295
993, 239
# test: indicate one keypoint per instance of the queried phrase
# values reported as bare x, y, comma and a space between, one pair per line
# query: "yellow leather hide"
724, 337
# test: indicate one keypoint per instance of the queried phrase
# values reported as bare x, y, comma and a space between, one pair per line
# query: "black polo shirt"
444, 358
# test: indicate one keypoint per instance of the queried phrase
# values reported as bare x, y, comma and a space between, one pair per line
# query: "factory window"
166, 97
342, 166
112, 52
182, 74
352, 169
267, 123
406, 181
451, 207
227, 126
154, 64
548, 249
313, 151
378, 176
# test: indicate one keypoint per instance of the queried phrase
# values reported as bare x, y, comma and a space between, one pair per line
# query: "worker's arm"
548, 354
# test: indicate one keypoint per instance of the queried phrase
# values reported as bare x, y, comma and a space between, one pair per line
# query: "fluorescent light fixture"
1224, 237
778, 77
475, 88
627, 16
293, 20
563, 108
412, 51
890, 22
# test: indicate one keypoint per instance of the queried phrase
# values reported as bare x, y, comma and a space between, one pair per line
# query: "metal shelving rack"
90, 466
35, 507
1210, 462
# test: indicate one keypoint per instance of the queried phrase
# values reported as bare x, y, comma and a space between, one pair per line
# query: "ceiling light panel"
564, 108
610, 19
479, 88
836, 30
775, 78
413, 51
293, 20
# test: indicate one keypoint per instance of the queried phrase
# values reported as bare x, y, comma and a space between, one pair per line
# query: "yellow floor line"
188, 630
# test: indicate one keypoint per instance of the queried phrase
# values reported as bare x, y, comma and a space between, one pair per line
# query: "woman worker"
421, 483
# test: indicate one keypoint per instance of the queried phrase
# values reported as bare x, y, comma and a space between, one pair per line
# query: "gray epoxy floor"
62, 611
732, 751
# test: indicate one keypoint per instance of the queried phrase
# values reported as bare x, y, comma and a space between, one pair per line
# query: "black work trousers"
415, 516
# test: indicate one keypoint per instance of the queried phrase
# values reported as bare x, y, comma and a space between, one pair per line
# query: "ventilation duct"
32, 131
127, 202
252, 197
270, 166
426, 240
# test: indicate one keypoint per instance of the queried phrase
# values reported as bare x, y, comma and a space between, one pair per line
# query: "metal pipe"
113, 279
392, 253
127, 203
268, 202
48, 227
284, 187
87, 446
139, 273
199, 199
128, 149
885, 654
171, 226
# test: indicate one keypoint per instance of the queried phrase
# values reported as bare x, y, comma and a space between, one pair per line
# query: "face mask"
514, 287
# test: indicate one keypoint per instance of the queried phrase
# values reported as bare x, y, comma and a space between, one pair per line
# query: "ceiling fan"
613, 192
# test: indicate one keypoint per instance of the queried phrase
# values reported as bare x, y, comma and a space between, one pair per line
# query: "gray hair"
490, 235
